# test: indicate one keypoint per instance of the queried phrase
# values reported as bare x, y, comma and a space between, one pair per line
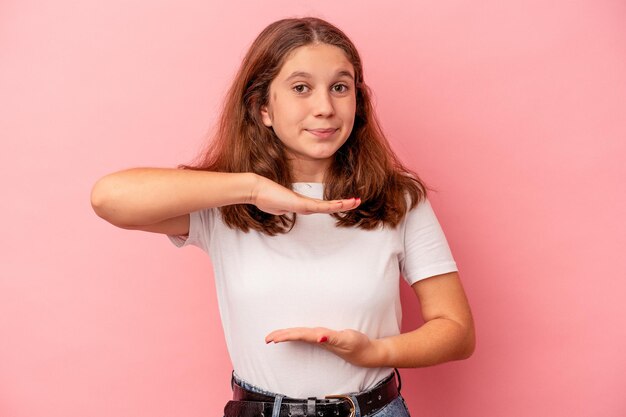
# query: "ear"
265, 115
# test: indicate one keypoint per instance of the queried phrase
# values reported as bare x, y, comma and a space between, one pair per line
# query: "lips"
322, 133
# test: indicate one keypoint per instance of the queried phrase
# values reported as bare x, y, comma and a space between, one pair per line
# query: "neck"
308, 171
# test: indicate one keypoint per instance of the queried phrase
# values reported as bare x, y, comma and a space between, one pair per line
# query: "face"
312, 104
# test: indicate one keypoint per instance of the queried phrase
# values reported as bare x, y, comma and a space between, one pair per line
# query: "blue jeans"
396, 408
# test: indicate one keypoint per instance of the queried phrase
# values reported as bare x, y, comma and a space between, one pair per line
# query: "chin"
322, 155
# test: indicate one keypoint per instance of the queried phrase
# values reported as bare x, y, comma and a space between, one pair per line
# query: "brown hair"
365, 166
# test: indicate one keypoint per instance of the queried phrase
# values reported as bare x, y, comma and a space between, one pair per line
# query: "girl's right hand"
273, 198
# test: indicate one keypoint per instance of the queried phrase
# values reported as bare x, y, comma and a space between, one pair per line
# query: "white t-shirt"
315, 275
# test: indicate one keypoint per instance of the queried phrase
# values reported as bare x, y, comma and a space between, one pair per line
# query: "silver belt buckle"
352, 405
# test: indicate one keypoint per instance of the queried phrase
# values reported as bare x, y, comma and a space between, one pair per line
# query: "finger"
293, 334
348, 203
331, 206
355, 204
320, 206
304, 334
284, 335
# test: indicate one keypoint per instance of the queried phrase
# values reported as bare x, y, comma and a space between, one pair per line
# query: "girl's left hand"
351, 345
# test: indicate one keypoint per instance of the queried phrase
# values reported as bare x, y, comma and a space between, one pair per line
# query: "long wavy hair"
364, 166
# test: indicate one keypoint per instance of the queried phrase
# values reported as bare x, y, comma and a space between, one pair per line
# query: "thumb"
329, 338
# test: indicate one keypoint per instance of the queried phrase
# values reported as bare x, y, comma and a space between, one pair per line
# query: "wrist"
253, 182
382, 352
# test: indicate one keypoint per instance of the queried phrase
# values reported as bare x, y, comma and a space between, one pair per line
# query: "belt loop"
278, 400
310, 407
357, 410
399, 379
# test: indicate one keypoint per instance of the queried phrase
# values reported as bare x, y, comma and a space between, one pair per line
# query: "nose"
323, 104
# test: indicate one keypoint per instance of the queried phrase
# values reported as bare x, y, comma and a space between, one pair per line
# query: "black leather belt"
247, 403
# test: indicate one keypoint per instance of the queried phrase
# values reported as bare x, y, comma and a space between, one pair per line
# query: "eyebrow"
307, 75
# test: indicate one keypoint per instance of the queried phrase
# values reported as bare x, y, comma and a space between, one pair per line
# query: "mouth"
322, 133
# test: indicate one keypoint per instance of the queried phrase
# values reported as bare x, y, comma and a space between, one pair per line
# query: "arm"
160, 199
446, 335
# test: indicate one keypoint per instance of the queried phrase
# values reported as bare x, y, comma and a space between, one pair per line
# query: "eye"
340, 88
300, 88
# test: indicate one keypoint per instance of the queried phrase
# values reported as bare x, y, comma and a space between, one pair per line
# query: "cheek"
290, 115
349, 111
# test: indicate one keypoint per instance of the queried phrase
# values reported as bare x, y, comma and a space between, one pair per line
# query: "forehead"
318, 59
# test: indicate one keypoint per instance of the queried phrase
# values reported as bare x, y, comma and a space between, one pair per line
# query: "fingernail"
323, 339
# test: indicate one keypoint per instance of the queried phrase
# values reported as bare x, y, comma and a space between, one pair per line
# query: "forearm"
143, 196
436, 341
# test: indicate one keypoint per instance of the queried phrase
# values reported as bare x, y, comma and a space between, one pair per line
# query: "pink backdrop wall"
513, 110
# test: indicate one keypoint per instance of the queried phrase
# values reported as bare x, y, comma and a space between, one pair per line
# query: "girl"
310, 304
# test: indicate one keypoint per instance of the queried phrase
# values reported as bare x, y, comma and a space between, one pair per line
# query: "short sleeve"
426, 250
200, 229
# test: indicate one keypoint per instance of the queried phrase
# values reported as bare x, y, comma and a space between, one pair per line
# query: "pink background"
513, 110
